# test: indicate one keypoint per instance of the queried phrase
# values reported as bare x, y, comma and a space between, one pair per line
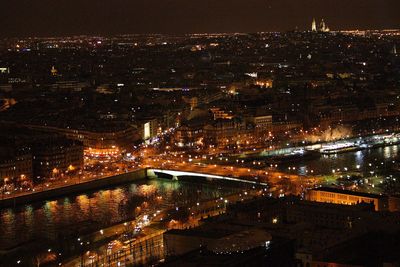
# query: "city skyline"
62, 18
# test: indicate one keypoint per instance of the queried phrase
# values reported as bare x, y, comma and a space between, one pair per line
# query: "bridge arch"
151, 173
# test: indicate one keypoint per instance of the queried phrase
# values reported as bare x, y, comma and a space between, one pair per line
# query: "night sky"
68, 17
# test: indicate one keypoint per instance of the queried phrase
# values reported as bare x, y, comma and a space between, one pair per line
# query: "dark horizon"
47, 18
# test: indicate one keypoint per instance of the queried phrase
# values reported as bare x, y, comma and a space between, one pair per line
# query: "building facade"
16, 167
56, 158
346, 197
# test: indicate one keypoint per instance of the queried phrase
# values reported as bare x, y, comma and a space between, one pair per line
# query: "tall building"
314, 25
322, 26
150, 129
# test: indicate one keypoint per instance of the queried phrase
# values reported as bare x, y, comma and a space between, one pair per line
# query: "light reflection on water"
95, 210
390, 152
325, 164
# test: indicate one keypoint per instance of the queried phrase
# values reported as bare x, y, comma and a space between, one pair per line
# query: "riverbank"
359, 142
85, 186
137, 250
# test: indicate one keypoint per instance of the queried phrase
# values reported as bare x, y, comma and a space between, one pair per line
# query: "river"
364, 161
95, 210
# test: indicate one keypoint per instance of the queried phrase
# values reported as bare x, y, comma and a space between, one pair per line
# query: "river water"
83, 213
369, 171
377, 160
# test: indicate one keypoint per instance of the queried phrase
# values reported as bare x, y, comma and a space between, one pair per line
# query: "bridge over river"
176, 174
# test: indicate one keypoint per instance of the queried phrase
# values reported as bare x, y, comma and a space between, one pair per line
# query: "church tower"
314, 26
322, 26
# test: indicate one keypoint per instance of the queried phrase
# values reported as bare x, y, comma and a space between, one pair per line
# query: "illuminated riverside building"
106, 141
40, 160
222, 132
16, 167
346, 197
57, 157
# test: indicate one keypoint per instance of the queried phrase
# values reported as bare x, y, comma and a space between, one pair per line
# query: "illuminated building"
322, 26
75, 86
314, 26
150, 129
263, 122
188, 136
53, 71
4, 70
99, 141
252, 74
220, 113
346, 197
101, 152
56, 157
146, 130
104, 140
267, 83
283, 126
104, 89
194, 102
15, 164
